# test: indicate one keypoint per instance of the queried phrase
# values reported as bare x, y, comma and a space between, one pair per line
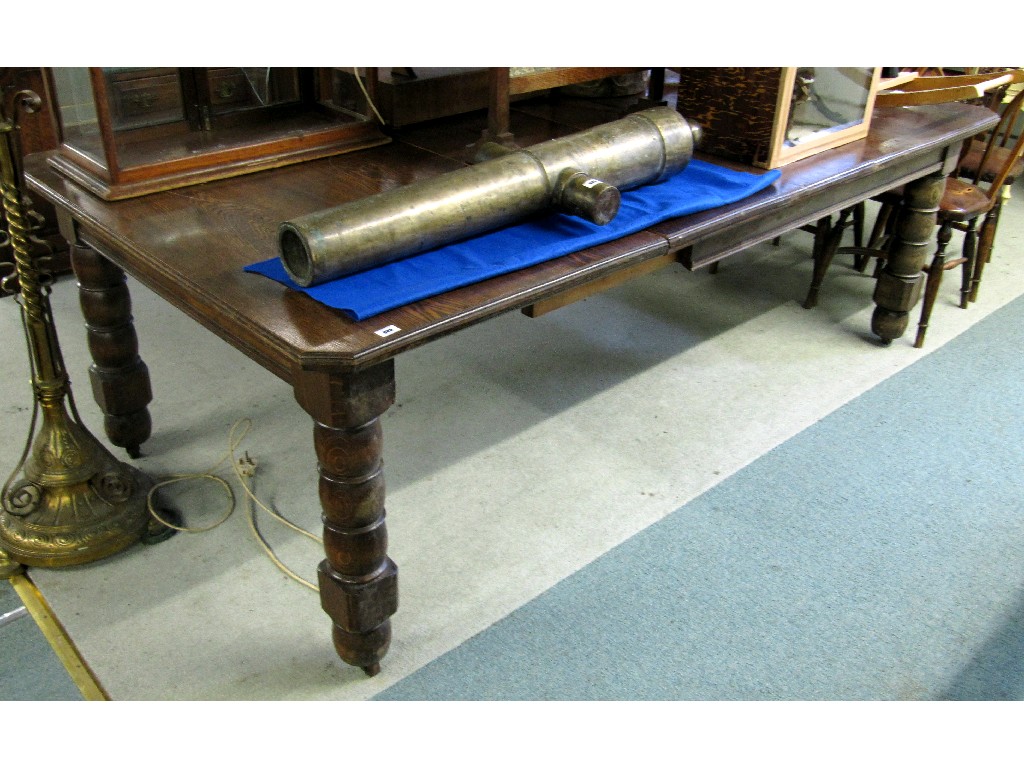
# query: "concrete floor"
516, 453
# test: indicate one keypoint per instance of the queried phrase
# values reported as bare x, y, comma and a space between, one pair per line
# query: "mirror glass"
827, 99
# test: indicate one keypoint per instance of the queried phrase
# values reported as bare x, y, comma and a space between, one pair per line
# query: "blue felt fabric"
698, 187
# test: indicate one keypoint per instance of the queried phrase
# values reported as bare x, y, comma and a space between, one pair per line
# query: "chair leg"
986, 240
822, 227
858, 224
885, 236
934, 280
878, 233
972, 264
994, 214
823, 258
859, 260
881, 226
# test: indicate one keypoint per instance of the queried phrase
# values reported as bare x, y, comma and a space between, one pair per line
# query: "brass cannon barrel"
579, 174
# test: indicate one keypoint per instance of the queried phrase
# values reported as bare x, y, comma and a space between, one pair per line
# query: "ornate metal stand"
75, 502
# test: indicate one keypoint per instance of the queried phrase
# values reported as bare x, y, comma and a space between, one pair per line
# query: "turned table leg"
899, 284
120, 379
358, 582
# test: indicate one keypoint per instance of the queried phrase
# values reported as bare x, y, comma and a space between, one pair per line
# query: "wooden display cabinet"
771, 116
508, 83
129, 131
408, 95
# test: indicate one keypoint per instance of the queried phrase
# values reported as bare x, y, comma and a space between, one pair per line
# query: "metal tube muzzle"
580, 174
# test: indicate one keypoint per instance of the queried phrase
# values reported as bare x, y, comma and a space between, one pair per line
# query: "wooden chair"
983, 161
974, 192
907, 88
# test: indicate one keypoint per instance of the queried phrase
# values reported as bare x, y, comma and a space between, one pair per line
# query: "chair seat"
996, 160
962, 200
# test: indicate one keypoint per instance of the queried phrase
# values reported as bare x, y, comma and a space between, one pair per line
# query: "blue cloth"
698, 187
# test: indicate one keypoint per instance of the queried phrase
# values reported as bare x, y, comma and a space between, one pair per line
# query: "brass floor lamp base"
76, 502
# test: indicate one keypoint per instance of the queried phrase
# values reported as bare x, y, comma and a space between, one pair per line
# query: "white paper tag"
388, 330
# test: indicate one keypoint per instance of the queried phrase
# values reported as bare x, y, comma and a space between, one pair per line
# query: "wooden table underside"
189, 246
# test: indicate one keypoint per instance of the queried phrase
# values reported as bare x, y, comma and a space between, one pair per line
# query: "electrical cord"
366, 95
245, 471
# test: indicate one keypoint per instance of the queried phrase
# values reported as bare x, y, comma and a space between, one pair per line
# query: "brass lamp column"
74, 503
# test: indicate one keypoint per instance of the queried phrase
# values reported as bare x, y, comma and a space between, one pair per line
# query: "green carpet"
878, 555
29, 670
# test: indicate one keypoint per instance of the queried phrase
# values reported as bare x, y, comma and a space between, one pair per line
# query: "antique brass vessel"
580, 174
75, 503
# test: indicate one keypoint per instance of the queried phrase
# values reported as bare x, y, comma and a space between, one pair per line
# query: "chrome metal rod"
18, 613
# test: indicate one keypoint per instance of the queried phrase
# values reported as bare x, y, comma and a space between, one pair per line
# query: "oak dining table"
190, 246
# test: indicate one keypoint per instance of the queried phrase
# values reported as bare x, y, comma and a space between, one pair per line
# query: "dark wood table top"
189, 245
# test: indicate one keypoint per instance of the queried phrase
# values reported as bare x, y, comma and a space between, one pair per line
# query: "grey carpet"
878, 555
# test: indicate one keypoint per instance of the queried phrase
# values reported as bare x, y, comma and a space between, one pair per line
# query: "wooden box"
771, 116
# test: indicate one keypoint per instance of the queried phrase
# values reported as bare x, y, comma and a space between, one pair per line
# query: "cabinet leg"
120, 379
358, 581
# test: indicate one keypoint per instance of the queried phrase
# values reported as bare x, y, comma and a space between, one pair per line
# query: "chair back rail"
945, 88
999, 138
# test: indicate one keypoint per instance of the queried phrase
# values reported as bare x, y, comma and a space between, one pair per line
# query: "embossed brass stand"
74, 503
